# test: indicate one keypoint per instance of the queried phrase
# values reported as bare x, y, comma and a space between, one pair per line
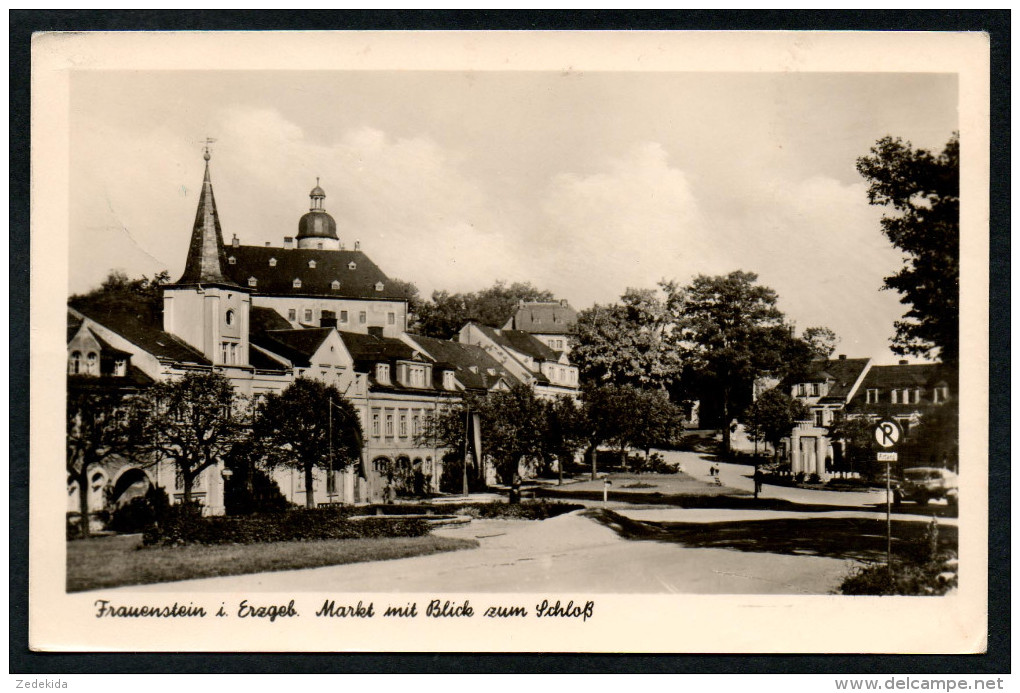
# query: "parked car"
922, 484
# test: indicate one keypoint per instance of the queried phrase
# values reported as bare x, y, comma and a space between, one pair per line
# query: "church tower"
205, 307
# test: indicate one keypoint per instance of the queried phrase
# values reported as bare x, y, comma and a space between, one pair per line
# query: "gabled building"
474, 370
548, 321
527, 358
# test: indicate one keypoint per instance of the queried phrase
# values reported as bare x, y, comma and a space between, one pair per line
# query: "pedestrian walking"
758, 477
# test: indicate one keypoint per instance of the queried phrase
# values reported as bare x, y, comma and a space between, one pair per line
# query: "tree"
772, 416
855, 433
923, 191
562, 434
142, 298
821, 341
408, 290
632, 342
193, 421
607, 418
296, 428
101, 424
734, 333
655, 421
444, 315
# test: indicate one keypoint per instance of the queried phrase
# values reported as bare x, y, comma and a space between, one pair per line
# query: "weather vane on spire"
205, 148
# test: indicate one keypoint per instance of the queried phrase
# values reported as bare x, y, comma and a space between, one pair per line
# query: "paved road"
566, 554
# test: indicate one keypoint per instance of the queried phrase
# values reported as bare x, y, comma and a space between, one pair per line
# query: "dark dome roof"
317, 224
317, 192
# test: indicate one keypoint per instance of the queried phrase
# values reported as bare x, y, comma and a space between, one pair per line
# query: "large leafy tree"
142, 298
512, 424
194, 421
772, 416
444, 315
562, 434
855, 434
734, 333
922, 191
632, 342
295, 428
101, 424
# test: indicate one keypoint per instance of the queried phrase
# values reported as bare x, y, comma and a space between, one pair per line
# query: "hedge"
185, 525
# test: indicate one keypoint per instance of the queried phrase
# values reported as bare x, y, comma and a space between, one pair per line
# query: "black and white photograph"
377, 338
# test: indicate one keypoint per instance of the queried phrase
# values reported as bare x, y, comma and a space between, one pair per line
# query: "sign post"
887, 435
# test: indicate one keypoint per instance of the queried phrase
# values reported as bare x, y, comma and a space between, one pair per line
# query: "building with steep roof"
527, 358
548, 321
474, 369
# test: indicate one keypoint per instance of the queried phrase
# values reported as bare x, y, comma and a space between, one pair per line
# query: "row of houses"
264, 316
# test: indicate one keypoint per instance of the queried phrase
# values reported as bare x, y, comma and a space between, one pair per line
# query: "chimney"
234, 242
375, 331
288, 242
842, 357
268, 244
328, 319
357, 245
563, 302
903, 362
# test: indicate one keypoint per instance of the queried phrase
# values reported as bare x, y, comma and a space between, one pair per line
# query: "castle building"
264, 316
548, 321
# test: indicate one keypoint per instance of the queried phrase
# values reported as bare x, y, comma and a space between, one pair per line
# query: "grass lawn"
116, 561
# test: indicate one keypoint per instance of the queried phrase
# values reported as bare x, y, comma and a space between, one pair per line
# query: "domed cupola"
317, 229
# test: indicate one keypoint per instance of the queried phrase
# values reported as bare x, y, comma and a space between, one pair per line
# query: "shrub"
141, 512
251, 490
538, 510
185, 525
924, 569
814, 479
799, 477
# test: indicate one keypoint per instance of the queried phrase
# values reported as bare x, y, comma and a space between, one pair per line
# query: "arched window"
229, 317
74, 367
92, 363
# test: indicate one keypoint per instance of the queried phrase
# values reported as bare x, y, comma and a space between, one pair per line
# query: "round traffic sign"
887, 433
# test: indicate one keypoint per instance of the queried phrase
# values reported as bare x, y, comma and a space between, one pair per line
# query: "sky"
581, 183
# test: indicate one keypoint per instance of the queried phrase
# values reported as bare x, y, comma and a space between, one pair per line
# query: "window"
233, 353
448, 383
272, 262
343, 316
308, 314
311, 264
382, 373
415, 425
814, 389
391, 318
229, 317
92, 363
378, 286
802, 390
297, 283
559, 344
403, 425
223, 352
335, 285
872, 396
375, 424
232, 260
819, 418
252, 281
362, 317
389, 425
331, 483
319, 245
352, 265
120, 367
895, 397
292, 314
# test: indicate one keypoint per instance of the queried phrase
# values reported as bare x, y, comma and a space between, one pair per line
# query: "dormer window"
232, 260
448, 383
252, 281
120, 368
272, 262
335, 285
378, 286
352, 265
382, 373
297, 283
311, 264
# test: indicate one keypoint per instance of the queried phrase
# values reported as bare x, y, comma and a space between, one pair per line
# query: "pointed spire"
206, 256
